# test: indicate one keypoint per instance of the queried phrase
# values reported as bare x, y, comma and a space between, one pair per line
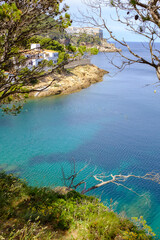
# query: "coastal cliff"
72, 80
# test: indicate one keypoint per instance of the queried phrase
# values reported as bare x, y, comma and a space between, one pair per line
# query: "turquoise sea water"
113, 125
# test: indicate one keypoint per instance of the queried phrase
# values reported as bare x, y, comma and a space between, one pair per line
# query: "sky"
109, 13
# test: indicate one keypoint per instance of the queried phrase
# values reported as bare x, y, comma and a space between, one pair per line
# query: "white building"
88, 30
50, 55
37, 55
35, 46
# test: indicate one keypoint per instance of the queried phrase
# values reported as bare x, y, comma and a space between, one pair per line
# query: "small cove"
113, 124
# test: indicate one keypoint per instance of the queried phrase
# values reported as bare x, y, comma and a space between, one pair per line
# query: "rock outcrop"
107, 47
71, 81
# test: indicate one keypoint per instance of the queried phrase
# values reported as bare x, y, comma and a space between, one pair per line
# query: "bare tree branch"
140, 17
103, 179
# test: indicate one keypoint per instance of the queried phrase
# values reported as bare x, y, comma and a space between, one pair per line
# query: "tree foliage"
91, 51
84, 38
20, 20
46, 43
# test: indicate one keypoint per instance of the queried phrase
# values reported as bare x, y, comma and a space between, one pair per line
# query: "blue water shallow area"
113, 125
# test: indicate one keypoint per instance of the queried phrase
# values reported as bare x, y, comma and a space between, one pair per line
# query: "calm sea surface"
113, 125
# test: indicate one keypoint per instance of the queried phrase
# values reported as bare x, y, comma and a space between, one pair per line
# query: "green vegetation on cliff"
85, 39
41, 213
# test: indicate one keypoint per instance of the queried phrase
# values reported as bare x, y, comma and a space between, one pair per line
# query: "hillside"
41, 213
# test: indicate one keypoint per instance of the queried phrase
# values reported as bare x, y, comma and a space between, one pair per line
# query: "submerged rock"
8, 168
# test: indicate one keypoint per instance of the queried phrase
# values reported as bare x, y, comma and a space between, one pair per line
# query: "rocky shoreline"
113, 49
72, 80
108, 47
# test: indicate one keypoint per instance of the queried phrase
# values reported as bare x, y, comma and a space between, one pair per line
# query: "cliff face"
73, 80
107, 47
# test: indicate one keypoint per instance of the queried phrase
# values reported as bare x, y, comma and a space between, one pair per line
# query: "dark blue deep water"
113, 125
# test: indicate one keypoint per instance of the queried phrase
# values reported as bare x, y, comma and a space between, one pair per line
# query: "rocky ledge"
107, 47
112, 49
71, 81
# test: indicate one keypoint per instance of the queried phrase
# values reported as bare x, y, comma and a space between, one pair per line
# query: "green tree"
93, 51
71, 48
19, 21
82, 49
85, 38
46, 43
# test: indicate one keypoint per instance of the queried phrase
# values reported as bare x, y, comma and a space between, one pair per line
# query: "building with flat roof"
35, 46
36, 55
88, 30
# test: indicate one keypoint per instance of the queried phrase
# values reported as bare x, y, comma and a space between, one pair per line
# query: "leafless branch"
140, 17
102, 179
